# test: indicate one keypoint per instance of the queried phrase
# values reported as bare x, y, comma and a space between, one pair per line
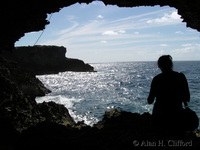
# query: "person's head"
165, 63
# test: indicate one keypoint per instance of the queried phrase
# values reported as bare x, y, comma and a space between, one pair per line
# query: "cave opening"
115, 35
111, 33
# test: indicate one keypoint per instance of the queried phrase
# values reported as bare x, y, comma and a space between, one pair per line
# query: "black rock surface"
45, 59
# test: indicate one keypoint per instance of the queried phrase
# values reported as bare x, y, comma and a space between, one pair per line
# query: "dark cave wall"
20, 17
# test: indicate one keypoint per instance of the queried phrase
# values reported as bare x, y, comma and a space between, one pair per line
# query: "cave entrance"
111, 34
99, 33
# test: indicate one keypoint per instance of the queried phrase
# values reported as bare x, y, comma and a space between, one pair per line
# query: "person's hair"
165, 62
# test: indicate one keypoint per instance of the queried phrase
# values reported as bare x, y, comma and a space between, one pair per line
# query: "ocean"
121, 85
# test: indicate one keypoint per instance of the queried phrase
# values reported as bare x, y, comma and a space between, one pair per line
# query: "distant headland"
46, 60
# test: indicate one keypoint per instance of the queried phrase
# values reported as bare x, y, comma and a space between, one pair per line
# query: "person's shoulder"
182, 75
158, 76
178, 73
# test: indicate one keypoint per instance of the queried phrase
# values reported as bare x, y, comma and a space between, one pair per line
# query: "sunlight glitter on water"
124, 86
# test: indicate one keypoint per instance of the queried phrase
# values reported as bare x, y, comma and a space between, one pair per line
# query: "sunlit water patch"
87, 95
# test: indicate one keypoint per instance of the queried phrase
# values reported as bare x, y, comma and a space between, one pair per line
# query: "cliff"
45, 59
18, 108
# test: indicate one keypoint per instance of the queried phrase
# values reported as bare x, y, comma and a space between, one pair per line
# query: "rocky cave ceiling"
19, 17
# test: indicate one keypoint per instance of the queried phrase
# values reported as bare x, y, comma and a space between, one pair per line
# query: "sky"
97, 33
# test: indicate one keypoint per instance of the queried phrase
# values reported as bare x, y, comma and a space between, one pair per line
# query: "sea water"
122, 85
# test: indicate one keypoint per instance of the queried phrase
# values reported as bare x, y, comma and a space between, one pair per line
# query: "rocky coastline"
41, 59
24, 124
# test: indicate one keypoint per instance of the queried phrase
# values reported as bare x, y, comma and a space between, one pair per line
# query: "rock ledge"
46, 59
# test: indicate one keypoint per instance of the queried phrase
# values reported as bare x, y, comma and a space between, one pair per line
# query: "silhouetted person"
169, 89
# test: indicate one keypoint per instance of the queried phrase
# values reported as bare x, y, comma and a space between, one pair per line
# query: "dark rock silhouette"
45, 59
57, 113
118, 130
18, 108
